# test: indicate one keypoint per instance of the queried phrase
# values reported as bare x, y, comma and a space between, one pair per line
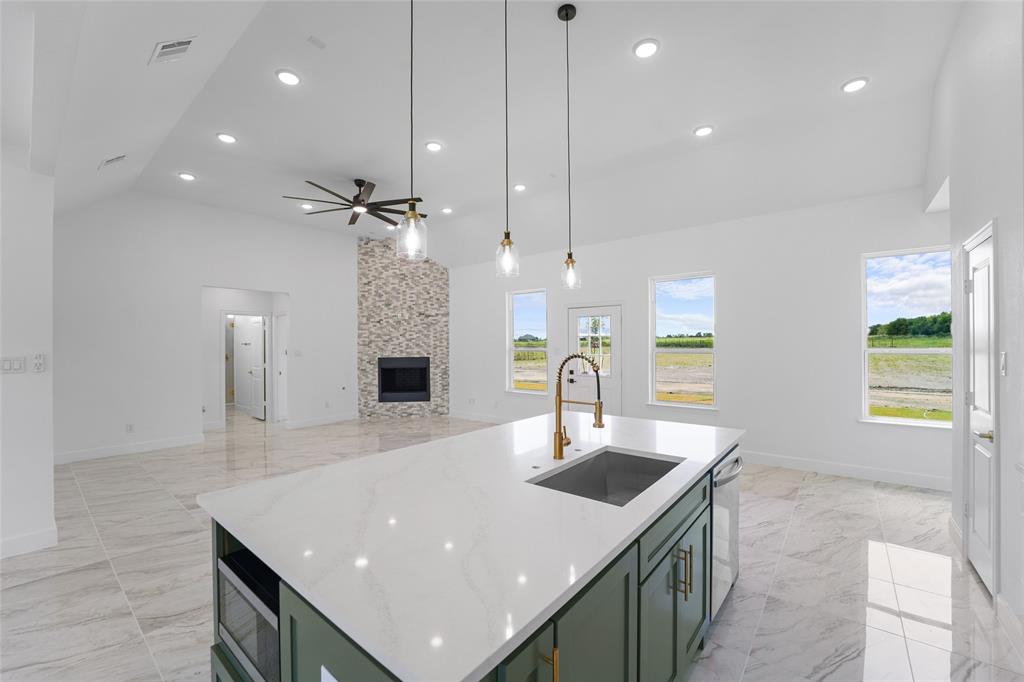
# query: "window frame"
510, 348
652, 343
866, 352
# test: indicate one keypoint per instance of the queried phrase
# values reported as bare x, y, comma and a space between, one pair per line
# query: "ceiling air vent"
111, 161
170, 50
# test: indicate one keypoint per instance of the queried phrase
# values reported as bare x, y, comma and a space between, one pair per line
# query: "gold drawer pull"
686, 571
689, 572
552, 660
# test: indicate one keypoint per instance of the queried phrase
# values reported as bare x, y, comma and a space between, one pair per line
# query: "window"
595, 339
528, 341
683, 340
908, 354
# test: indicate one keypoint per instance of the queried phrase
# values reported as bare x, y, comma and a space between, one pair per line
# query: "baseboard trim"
851, 470
126, 449
28, 542
1011, 622
320, 421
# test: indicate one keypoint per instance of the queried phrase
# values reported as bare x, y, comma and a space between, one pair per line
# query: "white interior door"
281, 332
982, 453
596, 332
251, 365
258, 369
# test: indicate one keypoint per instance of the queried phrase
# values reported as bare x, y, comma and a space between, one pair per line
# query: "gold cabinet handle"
686, 570
552, 660
689, 572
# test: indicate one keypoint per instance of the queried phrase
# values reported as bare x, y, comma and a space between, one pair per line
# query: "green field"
684, 377
911, 385
684, 342
882, 341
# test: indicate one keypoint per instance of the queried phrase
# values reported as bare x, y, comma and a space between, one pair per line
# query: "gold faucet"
561, 433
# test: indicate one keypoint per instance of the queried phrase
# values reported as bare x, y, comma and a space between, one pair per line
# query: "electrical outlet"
38, 363
129, 428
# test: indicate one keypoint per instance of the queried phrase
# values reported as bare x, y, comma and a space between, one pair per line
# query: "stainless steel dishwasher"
725, 499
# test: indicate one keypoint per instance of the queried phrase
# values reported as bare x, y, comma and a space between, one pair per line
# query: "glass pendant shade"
506, 259
570, 274
411, 237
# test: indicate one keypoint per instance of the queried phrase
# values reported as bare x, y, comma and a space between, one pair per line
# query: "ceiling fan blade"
393, 202
322, 201
354, 218
328, 210
329, 191
365, 192
380, 209
381, 216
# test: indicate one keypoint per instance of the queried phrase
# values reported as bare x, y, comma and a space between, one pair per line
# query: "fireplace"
403, 380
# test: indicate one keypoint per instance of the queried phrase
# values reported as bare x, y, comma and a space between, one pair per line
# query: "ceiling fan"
360, 203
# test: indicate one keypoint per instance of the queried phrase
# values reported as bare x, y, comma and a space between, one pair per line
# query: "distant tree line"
927, 325
529, 337
698, 335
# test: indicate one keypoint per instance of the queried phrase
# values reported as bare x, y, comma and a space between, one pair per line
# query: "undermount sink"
611, 477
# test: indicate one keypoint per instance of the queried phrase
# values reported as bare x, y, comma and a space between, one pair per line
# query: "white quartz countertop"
440, 559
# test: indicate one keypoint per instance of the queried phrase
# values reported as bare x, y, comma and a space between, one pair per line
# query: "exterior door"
595, 332
982, 453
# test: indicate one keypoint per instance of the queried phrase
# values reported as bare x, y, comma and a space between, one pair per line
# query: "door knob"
990, 436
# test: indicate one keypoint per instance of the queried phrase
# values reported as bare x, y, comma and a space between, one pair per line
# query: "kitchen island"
460, 559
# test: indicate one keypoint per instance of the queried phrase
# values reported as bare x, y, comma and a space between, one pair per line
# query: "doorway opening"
245, 346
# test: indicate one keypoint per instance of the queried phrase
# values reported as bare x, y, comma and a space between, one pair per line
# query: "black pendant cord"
506, 117
568, 144
412, 193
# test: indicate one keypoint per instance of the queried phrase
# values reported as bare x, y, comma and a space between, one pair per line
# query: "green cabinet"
533, 661
222, 669
309, 643
694, 551
674, 605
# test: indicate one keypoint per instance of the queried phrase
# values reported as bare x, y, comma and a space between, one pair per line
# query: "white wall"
26, 328
978, 143
788, 333
215, 302
128, 281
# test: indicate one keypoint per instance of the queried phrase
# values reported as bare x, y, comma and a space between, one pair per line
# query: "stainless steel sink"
612, 477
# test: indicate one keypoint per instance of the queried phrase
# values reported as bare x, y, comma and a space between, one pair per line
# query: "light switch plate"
14, 365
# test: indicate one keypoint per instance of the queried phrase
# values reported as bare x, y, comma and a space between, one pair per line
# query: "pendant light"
411, 237
506, 260
570, 274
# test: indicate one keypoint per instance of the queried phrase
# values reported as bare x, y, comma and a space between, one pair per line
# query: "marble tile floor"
841, 579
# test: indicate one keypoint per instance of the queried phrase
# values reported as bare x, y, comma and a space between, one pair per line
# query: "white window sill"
686, 406
907, 422
516, 391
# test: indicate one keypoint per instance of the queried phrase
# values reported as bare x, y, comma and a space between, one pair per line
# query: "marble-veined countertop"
439, 559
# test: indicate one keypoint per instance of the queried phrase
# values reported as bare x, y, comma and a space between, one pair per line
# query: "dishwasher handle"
734, 472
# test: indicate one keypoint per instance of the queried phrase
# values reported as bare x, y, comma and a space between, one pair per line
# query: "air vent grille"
170, 50
112, 160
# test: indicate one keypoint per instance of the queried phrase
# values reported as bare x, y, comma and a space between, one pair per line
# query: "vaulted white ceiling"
766, 75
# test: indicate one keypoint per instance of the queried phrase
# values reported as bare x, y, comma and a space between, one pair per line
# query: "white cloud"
908, 286
687, 289
684, 323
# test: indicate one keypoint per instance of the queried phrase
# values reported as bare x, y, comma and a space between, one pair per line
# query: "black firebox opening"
401, 380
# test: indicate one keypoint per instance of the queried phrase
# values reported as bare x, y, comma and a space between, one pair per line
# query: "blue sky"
529, 315
684, 306
911, 285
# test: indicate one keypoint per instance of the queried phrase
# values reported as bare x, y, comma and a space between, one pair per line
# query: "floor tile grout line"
892, 576
771, 581
120, 585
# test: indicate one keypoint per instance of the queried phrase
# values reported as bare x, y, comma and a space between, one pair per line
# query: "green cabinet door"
222, 669
659, 621
532, 662
309, 643
694, 610
596, 634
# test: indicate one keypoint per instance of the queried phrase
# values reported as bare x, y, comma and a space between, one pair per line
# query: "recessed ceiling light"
227, 138
446, 210
359, 209
434, 146
187, 177
645, 48
287, 77
306, 207
519, 188
856, 85
703, 131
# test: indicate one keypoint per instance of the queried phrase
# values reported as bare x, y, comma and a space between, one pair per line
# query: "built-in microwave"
247, 604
